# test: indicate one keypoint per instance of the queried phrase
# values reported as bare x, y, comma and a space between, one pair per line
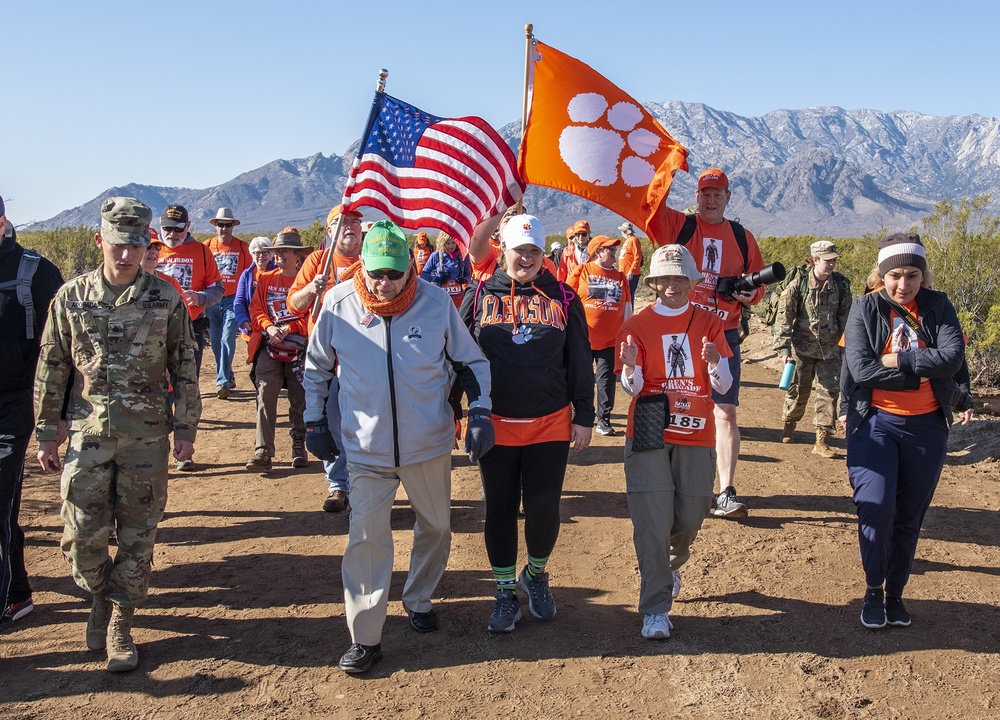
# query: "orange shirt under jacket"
904, 402
605, 295
630, 259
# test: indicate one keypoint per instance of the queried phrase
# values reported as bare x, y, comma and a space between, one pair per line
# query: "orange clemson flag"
587, 137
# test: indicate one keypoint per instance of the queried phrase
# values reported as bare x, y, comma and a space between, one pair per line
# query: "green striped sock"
506, 578
536, 566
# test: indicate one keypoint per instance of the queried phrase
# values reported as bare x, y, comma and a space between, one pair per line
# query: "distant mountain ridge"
822, 171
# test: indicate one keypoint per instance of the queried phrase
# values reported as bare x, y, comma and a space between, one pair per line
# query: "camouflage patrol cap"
125, 221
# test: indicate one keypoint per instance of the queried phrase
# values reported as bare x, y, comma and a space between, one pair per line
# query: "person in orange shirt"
277, 351
232, 256
191, 264
717, 252
575, 252
670, 360
152, 257
608, 303
631, 258
422, 250
310, 286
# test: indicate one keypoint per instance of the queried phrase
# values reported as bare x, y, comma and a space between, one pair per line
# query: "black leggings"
535, 472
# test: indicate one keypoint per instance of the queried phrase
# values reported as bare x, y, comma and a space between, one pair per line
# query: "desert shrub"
71, 249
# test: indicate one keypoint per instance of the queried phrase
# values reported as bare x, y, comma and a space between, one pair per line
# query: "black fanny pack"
649, 419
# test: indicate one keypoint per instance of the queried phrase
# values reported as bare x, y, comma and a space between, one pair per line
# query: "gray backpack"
22, 284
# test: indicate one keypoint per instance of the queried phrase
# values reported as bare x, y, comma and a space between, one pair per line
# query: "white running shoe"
656, 626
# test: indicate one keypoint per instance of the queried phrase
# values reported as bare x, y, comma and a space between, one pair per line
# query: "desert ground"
245, 614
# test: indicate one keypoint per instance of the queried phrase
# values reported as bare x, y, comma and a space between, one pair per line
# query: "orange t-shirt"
231, 260
421, 254
192, 266
716, 254
485, 269
630, 260
605, 295
269, 306
568, 262
670, 357
313, 266
904, 402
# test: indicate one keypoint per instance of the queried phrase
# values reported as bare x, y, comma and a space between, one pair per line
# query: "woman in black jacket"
533, 331
904, 346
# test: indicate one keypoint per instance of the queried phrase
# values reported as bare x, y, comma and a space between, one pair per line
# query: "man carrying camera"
734, 253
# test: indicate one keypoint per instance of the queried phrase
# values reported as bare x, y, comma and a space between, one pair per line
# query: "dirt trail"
245, 615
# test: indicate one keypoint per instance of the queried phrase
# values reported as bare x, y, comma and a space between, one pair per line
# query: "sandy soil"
245, 615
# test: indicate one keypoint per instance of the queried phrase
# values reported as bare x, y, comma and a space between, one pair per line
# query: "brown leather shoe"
337, 502
260, 461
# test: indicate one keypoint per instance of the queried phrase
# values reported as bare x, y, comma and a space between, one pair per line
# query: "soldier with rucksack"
811, 316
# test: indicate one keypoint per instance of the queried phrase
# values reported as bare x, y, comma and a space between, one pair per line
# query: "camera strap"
907, 317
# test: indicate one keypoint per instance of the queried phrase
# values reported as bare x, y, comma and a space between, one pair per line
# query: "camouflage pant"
120, 480
827, 376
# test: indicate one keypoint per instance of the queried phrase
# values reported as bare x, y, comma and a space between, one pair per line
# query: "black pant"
606, 380
16, 424
535, 474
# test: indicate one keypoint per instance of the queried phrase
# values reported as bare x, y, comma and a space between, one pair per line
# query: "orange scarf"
389, 308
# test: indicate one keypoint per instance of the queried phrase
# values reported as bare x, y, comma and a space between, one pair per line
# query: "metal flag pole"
376, 105
528, 44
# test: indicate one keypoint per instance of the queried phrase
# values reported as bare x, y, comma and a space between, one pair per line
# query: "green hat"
125, 221
385, 248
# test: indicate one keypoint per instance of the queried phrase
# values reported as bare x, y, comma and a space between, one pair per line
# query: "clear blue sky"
191, 94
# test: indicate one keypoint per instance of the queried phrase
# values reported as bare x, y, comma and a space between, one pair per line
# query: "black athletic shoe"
360, 658
873, 615
895, 613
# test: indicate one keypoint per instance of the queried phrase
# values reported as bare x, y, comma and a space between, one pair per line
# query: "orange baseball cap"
335, 213
713, 177
580, 226
601, 241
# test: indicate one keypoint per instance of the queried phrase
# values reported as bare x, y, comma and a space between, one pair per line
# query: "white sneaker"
657, 626
677, 584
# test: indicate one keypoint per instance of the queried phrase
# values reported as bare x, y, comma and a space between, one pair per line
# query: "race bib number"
715, 311
688, 414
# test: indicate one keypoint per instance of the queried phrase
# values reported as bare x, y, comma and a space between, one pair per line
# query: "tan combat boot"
788, 434
122, 653
97, 623
821, 447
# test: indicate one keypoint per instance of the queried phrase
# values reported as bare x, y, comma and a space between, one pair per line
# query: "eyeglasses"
390, 274
172, 228
260, 253
223, 226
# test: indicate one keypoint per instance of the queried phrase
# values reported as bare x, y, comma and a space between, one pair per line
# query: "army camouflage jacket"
117, 353
812, 317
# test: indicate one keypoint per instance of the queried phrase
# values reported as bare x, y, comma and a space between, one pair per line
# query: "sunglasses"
172, 228
390, 274
223, 226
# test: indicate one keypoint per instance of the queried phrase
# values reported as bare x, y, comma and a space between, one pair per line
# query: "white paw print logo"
594, 153
522, 335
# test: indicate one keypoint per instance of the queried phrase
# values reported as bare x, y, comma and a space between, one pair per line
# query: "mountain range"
819, 171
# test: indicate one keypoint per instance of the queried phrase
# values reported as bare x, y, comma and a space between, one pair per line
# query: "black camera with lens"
729, 285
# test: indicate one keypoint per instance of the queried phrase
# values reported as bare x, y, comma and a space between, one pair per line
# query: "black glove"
320, 441
479, 435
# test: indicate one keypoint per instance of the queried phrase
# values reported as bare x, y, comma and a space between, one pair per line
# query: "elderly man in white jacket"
396, 343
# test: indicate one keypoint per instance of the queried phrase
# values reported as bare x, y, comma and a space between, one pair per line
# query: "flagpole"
528, 37
379, 91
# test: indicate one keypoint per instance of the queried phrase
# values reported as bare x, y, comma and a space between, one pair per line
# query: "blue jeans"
336, 472
222, 334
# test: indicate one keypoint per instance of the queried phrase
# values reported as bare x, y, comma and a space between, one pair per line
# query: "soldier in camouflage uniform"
812, 315
117, 336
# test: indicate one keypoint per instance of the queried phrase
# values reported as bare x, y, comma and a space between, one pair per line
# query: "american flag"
425, 171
